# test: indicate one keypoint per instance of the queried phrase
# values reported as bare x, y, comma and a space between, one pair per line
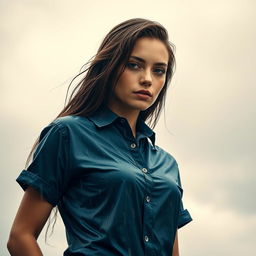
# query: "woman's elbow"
18, 241
12, 241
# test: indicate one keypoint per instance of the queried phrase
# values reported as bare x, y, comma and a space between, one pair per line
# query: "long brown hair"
103, 71
96, 87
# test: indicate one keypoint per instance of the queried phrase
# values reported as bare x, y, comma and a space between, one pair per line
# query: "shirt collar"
144, 129
105, 116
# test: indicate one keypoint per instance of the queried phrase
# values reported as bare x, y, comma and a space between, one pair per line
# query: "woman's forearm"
28, 224
175, 251
23, 245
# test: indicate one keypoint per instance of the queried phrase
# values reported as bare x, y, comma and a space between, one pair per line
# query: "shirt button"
133, 145
122, 120
148, 199
146, 238
144, 170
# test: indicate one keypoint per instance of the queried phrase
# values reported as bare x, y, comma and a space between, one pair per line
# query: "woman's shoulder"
166, 154
71, 121
67, 125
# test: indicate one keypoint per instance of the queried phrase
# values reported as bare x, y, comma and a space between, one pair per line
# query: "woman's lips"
142, 96
146, 92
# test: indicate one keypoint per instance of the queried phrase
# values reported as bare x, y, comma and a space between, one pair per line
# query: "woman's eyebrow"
143, 61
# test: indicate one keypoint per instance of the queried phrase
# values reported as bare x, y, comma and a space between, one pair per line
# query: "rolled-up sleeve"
49, 171
184, 215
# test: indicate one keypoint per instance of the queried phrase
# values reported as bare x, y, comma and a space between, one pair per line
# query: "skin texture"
138, 75
175, 251
28, 223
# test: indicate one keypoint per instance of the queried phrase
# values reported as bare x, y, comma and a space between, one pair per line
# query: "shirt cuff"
27, 178
184, 218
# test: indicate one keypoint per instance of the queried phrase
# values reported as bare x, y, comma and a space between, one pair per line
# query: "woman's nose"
146, 77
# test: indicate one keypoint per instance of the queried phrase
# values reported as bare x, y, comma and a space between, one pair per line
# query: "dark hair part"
97, 86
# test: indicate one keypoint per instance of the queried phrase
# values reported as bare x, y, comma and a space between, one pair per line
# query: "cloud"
210, 110
218, 232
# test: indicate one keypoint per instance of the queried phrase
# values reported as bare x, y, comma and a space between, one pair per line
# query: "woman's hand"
28, 223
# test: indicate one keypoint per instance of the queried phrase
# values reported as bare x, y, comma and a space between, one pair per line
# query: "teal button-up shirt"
117, 194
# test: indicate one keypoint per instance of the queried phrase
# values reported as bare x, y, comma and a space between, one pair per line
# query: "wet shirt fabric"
117, 195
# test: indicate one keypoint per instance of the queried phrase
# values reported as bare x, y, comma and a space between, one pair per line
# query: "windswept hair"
102, 73
95, 89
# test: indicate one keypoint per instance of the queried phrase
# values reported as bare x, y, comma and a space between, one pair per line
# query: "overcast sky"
209, 123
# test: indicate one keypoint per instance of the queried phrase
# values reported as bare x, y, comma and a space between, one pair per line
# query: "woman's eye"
132, 65
159, 71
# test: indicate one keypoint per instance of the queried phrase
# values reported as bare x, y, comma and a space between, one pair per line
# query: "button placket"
148, 210
148, 213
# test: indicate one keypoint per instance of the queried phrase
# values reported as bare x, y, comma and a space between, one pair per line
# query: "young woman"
117, 192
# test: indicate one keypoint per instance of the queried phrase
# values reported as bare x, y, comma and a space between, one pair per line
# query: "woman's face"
143, 78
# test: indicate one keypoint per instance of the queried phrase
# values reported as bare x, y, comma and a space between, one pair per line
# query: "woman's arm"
28, 223
175, 251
